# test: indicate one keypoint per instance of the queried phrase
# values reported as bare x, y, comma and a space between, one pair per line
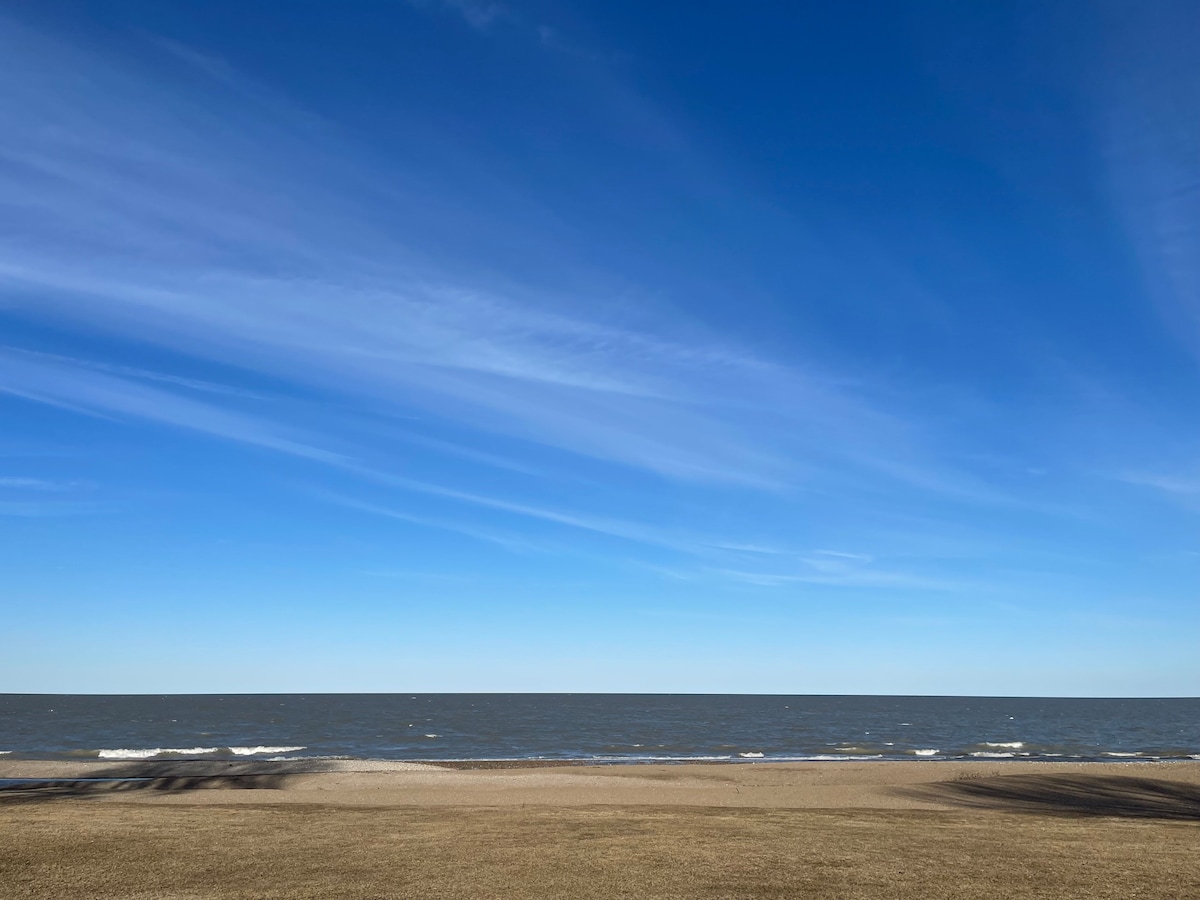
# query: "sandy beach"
384, 829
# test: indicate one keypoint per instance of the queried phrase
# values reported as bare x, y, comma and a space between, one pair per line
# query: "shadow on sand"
159, 776
1072, 795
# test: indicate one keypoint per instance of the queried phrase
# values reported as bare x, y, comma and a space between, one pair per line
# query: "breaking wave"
175, 752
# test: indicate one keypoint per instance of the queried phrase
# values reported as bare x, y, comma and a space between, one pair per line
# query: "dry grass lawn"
75, 848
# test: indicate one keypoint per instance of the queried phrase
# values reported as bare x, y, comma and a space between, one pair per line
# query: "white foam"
930, 752
657, 758
751, 755
150, 752
820, 757
1122, 755
1011, 745
5, 752
252, 751
984, 754
432, 735
829, 757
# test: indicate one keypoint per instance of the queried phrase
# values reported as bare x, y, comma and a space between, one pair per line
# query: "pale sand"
821, 785
822, 830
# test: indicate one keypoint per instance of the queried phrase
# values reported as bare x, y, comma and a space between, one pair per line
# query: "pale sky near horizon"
440, 345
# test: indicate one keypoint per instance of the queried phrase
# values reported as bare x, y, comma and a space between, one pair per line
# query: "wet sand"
824, 830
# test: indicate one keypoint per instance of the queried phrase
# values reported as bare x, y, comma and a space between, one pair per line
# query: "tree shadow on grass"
1071, 795
169, 777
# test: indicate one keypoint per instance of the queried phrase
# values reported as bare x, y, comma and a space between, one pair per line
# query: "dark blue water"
619, 727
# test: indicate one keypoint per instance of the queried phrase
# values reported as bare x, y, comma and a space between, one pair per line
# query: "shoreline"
16, 767
875, 784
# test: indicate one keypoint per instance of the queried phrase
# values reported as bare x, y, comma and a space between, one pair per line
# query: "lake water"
608, 727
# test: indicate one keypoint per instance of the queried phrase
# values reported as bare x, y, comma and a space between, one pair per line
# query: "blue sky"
471, 345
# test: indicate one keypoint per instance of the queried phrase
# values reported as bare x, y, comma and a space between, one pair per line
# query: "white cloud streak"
230, 228
848, 579
36, 484
26, 509
508, 542
1150, 109
476, 13
35, 378
140, 223
1170, 484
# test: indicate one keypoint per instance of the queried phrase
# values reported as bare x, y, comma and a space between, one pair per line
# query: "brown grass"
182, 851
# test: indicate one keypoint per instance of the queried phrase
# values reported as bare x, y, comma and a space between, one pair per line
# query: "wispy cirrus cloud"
9, 482
29, 509
1172, 484
228, 229
57, 381
42, 498
51, 381
476, 13
161, 249
133, 372
507, 541
846, 579
1149, 107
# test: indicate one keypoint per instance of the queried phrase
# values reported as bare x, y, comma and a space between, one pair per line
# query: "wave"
833, 757
633, 759
167, 752
754, 755
1121, 755
1010, 745
253, 751
929, 752
151, 752
991, 754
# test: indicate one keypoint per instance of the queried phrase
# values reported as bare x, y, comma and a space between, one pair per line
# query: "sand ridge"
378, 783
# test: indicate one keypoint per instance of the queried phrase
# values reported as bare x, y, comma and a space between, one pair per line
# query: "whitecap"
253, 751
151, 752
1010, 745
751, 755
1122, 755
432, 735
829, 757
983, 754
929, 752
658, 758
